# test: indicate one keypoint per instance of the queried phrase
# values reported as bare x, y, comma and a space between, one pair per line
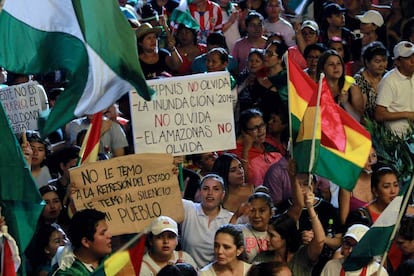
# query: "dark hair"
252, 15
378, 174
281, 47
238, 238
83, 225
214, 176
246, 115
321, 63
178, 269
182, 26
264, 196
218, 39
47, 189
34, 136
285, 226
221, 52
266, 268
64, 156
406, 230
373, 49
37, 256
256, 51
314, 47
222, 167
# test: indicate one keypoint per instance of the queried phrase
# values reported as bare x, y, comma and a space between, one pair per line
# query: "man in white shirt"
395, 100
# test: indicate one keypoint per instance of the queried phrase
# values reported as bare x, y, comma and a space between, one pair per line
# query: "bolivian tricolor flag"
90, 146
341, 144
124, 262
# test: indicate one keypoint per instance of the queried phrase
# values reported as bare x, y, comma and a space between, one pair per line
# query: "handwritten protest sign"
132, 190
23, 104
190, 114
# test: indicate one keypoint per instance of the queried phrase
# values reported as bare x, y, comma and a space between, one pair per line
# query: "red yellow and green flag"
341, 144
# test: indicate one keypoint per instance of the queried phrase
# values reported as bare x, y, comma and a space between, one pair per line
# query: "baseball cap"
162, 224
311, 25
356, 231
332, 8
403, 49
371, 16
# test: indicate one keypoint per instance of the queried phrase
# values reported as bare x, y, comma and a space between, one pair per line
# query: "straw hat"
147, 28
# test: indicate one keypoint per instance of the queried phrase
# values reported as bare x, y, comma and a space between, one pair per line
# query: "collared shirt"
197, 234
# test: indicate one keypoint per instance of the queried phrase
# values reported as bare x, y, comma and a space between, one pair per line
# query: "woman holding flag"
343, 90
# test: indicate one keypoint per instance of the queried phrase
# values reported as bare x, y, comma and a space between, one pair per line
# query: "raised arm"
316, 245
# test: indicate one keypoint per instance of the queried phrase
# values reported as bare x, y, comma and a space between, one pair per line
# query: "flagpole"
290, 143
315, 125
403, 209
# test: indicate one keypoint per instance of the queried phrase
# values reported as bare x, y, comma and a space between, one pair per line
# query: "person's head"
46, 242
375, 58
352, 236
277, 119
338, 44
66, 159
407, 33
312, 53
371, 160
186, 35
147, 37
229, 167
254, 24
273, 55
404, 58
371, 21
212, 191
88, 232
40, 147
178, 269
251, 123
162, 238
255, 60
53, 206
310, 31
216, 40
332, 65
149, 15
384, 185
270, 269
217, 60
261, 209
273, 9
204, 161
405, 236
334, 15
283, 234
229, 245
274, 36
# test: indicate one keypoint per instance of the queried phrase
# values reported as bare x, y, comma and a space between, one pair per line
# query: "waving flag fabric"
90, 40
20, 200
90, 146
124, 262
342, 145
377, 240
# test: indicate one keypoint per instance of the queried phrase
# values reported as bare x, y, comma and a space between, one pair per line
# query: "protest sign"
190, 114
132, 190
23, 103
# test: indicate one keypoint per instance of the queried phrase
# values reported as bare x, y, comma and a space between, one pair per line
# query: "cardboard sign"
189, 115
132, 190
23, 104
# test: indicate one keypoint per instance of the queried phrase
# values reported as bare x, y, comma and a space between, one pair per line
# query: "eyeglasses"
270, 54
257, 128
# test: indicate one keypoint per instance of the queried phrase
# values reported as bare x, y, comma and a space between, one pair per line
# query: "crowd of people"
247, 211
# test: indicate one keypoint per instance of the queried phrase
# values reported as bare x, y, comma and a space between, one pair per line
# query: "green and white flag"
377, 240
90, 40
